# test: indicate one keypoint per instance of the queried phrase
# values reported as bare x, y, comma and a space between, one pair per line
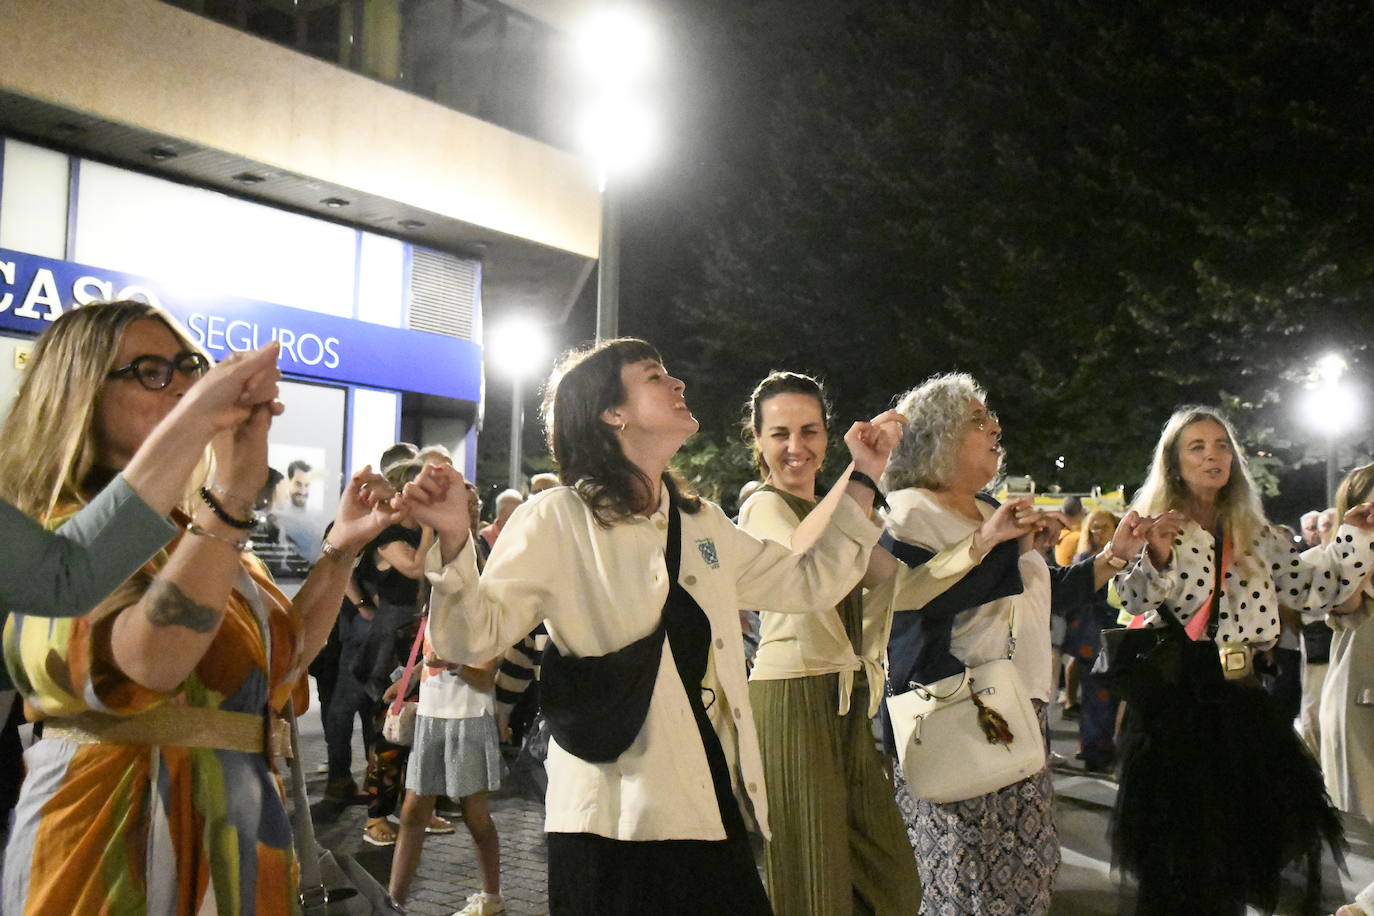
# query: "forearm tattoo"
166, 605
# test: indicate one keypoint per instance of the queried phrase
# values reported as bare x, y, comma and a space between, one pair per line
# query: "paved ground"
1085, 887
448, 869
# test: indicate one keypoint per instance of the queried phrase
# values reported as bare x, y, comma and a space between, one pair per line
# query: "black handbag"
1152, 664
596, 705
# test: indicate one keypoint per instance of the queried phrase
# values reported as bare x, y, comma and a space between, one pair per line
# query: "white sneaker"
483, 904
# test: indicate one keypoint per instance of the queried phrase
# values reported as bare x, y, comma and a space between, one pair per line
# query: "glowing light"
619, 133
1331, 409
616, 50
615, 46
519, 347
1331, 367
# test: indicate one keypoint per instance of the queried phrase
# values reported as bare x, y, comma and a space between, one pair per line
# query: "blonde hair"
1354, 490
1238, 503
47, 449
1085, 537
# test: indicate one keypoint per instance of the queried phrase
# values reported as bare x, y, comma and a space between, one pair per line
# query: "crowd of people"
697, 696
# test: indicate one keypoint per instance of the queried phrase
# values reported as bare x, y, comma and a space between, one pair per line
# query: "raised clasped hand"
1048, 525
1164, 529
1129, 537
1011, 520
368, 505
438, 497
228, 394
871, 442
1361, 516
241, 458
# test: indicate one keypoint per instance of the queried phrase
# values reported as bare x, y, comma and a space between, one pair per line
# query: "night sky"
1101, 213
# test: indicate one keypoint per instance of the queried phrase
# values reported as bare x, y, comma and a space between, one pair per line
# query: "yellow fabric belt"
173, 726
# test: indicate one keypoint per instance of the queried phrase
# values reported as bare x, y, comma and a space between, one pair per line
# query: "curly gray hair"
936, 412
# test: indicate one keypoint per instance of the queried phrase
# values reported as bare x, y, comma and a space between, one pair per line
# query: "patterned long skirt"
995, 854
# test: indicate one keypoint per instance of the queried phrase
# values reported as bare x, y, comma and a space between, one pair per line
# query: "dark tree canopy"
1100, 210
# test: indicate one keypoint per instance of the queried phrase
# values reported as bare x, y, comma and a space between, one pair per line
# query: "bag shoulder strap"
400, 700
312, 891
672, 550
1011, 632
1201, 623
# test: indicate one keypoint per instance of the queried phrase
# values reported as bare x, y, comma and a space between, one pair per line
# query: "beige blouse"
805, 645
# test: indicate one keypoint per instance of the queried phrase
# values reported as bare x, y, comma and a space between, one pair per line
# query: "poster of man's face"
290, 534
298, 483
303, 468
301, 492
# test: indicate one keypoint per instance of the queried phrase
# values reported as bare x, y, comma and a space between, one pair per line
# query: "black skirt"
596, 875
1217, 795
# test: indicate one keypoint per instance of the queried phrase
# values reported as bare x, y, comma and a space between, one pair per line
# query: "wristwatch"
327, 549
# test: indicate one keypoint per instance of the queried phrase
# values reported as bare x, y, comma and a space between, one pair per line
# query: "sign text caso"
33, 291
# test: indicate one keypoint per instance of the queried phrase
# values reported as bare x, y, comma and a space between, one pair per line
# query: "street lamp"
1331, 408
518, 348
615, 53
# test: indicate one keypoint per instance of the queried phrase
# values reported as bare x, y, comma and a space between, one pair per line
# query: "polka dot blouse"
1265, 573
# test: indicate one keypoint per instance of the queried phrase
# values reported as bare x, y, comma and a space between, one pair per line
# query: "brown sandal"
379, 833
439, 825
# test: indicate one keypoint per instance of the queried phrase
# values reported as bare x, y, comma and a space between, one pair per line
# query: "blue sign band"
34, 291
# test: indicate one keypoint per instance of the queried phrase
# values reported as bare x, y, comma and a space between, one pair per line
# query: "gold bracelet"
240, 545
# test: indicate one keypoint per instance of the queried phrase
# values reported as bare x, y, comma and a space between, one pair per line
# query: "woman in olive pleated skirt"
838, 843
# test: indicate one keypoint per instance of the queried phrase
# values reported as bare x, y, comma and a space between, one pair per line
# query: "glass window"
477, 56
305, 456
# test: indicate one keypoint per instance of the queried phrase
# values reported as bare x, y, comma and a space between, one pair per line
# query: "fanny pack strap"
672, 551
1197, 626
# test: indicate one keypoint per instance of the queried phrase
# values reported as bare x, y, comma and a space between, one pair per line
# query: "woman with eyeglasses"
970, 586
152, 788
64, 573
1097, 705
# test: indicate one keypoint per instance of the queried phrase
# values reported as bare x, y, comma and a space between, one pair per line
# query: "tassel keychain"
992, 722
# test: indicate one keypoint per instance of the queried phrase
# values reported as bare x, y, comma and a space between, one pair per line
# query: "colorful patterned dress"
106, 828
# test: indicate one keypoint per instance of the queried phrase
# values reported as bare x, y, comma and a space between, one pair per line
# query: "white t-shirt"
445, 695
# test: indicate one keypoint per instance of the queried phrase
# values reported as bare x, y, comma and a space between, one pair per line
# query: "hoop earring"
621, 428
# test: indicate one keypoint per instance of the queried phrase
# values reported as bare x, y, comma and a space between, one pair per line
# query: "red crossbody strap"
1197, 627
400, 700
1197, 624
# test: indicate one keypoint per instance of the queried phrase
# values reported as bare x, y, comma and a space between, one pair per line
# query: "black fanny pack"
1316, 643
596, 705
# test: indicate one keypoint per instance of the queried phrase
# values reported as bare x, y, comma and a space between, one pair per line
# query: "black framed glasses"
155, 372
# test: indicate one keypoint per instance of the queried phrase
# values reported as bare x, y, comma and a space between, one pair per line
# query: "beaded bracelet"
222, 513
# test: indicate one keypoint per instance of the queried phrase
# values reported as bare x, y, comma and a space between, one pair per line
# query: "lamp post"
1331, 408
614, 50
518, 348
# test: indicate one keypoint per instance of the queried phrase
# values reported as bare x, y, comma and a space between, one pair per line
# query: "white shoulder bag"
968, 734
